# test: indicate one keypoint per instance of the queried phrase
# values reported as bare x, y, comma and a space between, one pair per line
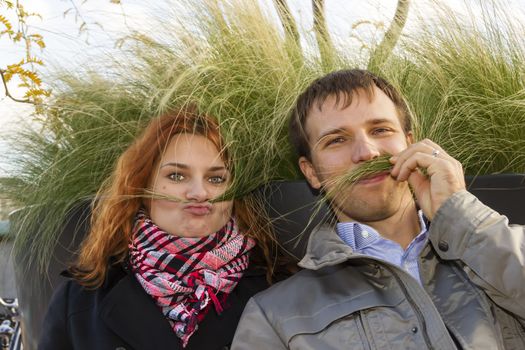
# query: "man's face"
341, 139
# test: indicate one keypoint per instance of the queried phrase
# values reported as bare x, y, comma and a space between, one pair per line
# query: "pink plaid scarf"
183, 274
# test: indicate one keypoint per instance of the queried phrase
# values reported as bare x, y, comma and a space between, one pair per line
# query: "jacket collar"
325, 248
129, 312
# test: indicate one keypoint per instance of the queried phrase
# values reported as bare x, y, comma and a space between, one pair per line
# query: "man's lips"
198, 209
376, 178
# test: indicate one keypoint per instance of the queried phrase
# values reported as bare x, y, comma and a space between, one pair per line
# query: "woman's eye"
176, 177
217, 180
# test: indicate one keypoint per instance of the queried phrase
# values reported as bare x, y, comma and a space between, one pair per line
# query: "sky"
70, 44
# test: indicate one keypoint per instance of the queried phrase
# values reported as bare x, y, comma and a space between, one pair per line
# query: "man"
383, 277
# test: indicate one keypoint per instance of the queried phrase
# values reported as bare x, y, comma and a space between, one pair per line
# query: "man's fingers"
418, 160
425, 147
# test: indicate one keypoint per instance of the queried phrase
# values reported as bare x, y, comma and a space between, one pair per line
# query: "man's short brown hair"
342, 84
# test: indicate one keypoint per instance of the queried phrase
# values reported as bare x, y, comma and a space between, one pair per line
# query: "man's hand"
444, 174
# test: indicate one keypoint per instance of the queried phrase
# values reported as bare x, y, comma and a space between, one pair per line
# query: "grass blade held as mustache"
227, 196
367, 169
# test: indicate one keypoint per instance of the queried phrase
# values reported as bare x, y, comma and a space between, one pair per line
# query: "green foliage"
89, 125
465, 85
232, 63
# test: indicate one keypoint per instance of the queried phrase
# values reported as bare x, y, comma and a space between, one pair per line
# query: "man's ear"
309, 172
410, 138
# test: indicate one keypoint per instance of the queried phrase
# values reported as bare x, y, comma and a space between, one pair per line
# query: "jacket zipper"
365, 330
418, 312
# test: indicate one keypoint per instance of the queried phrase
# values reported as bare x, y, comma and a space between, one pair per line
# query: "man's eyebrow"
331, 132
380, 121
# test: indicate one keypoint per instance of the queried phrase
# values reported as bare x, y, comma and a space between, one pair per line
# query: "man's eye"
380, 131
336, 140
217, 180
176, 177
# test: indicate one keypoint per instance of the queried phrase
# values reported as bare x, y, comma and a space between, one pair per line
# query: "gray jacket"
472, 297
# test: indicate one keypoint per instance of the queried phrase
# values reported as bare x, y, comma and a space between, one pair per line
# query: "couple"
413, 260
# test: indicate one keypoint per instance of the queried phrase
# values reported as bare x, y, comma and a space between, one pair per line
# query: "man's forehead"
335, 102
342, 99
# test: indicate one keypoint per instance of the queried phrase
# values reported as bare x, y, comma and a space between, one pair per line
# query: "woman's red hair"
120, 197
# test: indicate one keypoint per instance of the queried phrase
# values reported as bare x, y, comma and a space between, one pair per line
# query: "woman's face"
192, 170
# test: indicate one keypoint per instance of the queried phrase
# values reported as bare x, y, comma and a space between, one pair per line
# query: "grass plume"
464, 83
343, 183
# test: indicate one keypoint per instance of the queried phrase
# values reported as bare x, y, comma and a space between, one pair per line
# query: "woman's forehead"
192, 149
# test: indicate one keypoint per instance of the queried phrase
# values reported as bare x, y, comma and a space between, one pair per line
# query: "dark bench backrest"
291, 204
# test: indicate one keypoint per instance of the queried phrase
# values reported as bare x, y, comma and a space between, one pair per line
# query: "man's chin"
369, 203
364, 215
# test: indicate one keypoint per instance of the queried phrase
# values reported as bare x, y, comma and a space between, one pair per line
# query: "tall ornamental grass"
465, 85
230, 61
464, 78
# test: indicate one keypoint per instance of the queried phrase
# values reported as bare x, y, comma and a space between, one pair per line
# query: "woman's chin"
193, 231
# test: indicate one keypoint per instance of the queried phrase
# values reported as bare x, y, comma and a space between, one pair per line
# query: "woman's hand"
444, 174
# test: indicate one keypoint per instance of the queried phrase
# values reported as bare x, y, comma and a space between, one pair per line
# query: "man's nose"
364, 150
196, 191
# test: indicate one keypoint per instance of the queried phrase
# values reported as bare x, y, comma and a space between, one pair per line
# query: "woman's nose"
197, 191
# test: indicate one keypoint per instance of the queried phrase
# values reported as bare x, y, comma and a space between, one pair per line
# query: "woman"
165, 266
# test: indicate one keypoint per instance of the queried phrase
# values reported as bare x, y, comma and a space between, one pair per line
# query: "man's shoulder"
344, 283
303, 286
289, 286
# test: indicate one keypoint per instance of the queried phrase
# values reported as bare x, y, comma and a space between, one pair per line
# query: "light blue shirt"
365, 240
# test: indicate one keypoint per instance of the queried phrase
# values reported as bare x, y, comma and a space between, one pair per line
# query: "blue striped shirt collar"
360, 236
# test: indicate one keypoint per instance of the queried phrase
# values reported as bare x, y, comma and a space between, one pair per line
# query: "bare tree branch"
326, 47
290, 27
8, 94
385, 48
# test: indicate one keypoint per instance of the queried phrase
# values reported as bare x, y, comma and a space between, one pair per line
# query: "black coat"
120, 315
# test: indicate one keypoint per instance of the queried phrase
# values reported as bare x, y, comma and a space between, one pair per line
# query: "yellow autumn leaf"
34, 92
18, 36
35, 60
31, 75
6, 23
35, 36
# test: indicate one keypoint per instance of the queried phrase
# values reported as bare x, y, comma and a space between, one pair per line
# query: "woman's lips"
198, 209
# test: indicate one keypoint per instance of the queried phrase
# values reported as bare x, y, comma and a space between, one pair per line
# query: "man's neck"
402, 227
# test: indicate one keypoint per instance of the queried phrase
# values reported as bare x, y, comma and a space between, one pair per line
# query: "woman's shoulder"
76, 297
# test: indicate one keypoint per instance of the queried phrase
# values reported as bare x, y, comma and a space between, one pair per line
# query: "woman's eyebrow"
217, 168
184, 166
178, 165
